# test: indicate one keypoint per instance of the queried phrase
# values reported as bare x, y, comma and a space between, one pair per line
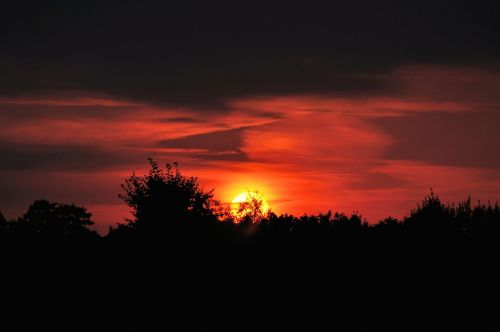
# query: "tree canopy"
54, 221
164, 201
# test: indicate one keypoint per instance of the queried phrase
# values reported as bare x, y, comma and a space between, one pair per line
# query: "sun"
249, 203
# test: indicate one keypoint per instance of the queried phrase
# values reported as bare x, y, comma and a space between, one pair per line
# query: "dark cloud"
203, 53
219, 141
374, 181
20, 188
33, 112
71, 157
236, 155
455, 139
181, 119
215, 146
271, 115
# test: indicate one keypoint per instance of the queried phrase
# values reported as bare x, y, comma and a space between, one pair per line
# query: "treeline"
169, 208
185, 251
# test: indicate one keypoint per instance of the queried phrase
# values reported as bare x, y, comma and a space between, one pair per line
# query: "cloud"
228, 156
219, 141
371, 180
467, 139
30, 112
469, 84
63, 157
181, 119
205, 54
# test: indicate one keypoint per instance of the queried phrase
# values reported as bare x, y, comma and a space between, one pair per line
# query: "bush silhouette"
48, 221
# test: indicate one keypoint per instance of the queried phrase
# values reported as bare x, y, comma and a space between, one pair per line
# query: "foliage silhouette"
167, 205
251, 210
3, 224
52, 222
170, 208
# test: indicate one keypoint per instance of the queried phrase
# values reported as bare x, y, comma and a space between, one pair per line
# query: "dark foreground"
360, 286
182, 264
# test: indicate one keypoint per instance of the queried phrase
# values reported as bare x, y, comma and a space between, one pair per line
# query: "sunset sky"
351, 106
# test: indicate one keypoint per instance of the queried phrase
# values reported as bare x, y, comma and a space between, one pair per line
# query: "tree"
3, 224
165, 201
433, 220
252, 210
53, 221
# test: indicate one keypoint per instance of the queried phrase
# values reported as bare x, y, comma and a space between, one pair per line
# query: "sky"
349, 106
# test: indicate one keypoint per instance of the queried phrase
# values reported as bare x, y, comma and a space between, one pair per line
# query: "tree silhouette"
166, 203
432, 219
3, 225
251, 210
55, 222
484, 221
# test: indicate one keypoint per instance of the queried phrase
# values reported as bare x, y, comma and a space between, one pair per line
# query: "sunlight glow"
247, 197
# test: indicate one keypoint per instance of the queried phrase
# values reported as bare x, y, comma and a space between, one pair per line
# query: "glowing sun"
249, 203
